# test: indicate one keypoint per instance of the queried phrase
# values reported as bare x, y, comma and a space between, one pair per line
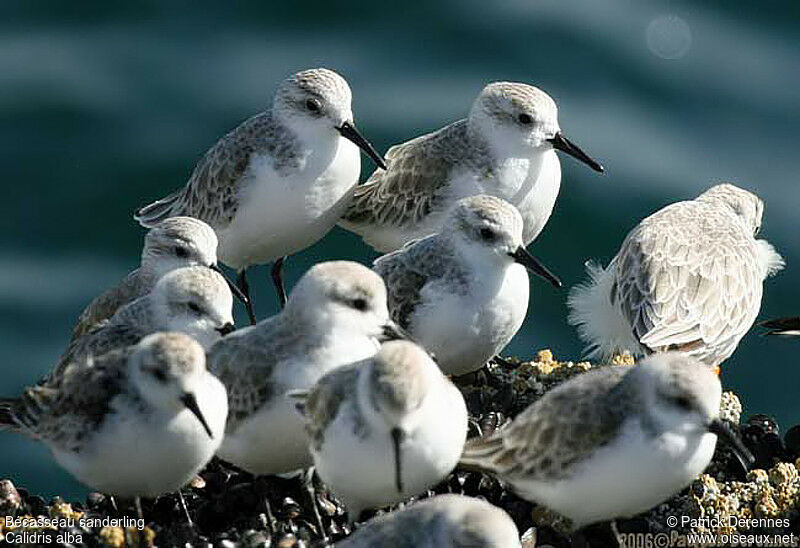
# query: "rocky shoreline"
231, 508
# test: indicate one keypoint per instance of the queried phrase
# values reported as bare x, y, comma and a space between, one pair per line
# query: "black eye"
313, 105
159, 375
682, 402
487, 234
181, 252
359, 304
194, 307
525, 119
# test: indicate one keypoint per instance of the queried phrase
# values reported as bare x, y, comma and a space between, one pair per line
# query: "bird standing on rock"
278, 182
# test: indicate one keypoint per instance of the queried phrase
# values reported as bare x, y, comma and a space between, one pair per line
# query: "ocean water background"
106, 106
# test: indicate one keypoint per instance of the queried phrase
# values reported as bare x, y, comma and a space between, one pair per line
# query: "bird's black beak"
530, 262
393, 332
723, 431
398, 435
783, 326
349, 132
225, 329
563, 144
190, 402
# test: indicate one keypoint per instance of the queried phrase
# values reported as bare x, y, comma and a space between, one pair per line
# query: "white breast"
280, 214
464, 331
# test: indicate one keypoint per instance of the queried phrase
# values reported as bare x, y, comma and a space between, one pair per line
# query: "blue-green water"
106, 106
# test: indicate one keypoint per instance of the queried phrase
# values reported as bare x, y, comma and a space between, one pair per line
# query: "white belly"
465, 331
361, 470
280, 215
131, 457
273, 440
624, 480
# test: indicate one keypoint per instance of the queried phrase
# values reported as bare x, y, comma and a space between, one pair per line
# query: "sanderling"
789, 327
335, 315
688, 277
278, 182
194, 300
612, 442
506, 148
463, 293
140, 422
444, 521
385, 428
173, 243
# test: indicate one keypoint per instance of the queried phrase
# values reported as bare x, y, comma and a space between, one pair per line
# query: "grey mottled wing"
245, 362
211, 194
407, 270
559, 430
106, 337
687, 277
413, 182
323, 401
66, 415
106, 305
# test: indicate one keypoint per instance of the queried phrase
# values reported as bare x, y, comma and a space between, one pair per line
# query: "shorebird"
173, 243
444, 521
688, 277
278, 182
139, 421
463, 293
505, 148
385, 428
612, 442
194, 300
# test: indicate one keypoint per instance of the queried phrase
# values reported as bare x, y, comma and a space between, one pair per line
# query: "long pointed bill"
190, 402
349, 132
723, 431
789, 327
397, 440
563, 144
393, 332
530, 262
233, 287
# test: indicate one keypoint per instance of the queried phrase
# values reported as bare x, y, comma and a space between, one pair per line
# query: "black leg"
277, 280
241, 281
185, 509
308, 481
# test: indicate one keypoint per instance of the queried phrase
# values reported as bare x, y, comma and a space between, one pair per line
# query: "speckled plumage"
444, 521
460, 296
278, 182
197, 243
318, 331
164, 308
611, 442
137, 421
384, 428
689, 277
491, 152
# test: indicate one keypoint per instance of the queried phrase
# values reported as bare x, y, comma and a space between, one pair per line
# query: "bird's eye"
487, 234
313, 105
181, 252
681, 402
194, 307
525, 119
159, 375
359, 304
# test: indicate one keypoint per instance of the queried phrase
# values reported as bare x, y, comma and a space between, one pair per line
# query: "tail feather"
8, 420
783, 326
478, 453
600, 324
152, 214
